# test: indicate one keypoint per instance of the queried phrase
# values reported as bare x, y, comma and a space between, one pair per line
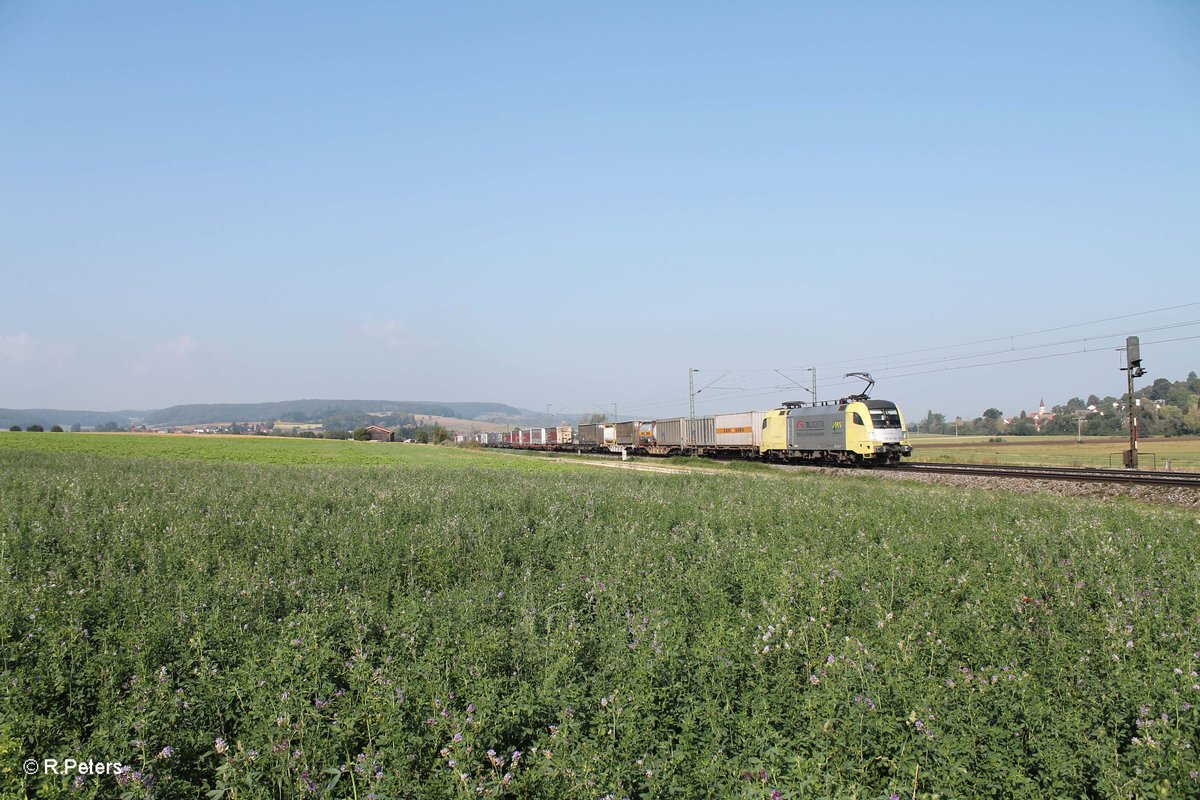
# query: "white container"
738, 430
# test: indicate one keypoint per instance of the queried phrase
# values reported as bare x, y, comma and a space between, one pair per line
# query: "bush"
35, 428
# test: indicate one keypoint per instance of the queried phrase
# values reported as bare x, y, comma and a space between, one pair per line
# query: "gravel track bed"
1155, 495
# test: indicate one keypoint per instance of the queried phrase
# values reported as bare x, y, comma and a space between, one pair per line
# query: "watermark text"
70, 766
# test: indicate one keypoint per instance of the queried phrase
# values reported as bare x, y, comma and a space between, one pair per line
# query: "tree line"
1166, 408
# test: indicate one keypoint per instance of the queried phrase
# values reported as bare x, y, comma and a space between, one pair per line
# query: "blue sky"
573, 204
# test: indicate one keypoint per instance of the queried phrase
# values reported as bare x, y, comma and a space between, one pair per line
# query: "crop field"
260, 618
1179, 454
251, 449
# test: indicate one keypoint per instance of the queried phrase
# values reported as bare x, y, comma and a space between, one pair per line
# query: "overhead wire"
1017, 335
1061, 343
911, 367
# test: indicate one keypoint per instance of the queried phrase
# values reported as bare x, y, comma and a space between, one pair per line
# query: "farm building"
379, 434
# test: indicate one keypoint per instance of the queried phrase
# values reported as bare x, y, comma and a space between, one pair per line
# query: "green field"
262, 618
251, 449
1060, 451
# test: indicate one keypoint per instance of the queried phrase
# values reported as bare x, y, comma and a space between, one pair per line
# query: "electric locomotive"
853, 430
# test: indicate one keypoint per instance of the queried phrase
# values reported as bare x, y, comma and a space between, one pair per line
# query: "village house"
1041, 416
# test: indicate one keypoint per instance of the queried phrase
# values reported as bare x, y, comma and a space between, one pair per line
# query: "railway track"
1096, 475
1189, 480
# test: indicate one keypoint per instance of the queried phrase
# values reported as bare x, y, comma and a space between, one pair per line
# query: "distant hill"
314, 410
49, 417
290, 410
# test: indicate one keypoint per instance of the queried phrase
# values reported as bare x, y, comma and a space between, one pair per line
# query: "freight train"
854, 430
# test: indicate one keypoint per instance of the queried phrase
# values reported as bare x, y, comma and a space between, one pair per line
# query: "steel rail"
1081, 474
1180, 479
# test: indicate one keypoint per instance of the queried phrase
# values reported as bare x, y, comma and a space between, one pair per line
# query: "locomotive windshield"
884, 415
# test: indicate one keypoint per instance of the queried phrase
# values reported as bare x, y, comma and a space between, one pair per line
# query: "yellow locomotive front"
877, 430
849, 431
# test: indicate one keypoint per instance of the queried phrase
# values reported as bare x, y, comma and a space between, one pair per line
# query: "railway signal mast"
1133, 366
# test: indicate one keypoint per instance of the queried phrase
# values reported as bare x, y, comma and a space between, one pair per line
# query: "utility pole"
549, 421
615, 411
813, 370
1079, 433
691, 394
1133, 367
